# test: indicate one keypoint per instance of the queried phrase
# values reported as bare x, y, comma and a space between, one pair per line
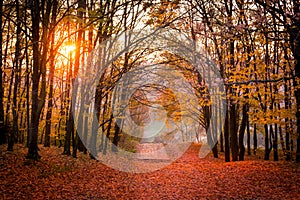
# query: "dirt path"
62, 177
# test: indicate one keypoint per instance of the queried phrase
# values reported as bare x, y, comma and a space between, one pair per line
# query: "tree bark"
2, 125
267, 151
233, 133
80, 13
275, 143
248, 138
221, 142
14, 133
242, 132
51, 75
254, 139
226, 138
33, 138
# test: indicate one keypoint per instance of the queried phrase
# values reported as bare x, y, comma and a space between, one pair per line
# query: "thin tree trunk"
226, 138
68, 128
222, 131
51, 76
14, 133
242, 132
2, 125
248, 137
80, 13
254, 139
275, 143
27, 83
287, 127
107, 135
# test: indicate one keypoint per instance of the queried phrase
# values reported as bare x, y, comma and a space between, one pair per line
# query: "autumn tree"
255, 46
288, 16
2, 125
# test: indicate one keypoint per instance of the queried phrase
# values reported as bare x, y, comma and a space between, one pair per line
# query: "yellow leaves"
161, 13
273, 116
298, 83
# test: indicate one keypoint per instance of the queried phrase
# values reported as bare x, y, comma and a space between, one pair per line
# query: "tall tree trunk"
51, 76
33, 138
80, 13
67, 104
14, 133
287, 124
69, 128
295, 41
2, 125
27, 88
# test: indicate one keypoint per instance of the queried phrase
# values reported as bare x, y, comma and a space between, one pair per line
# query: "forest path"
62, 177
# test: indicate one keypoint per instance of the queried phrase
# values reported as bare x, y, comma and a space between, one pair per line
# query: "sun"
68, 48
66, 52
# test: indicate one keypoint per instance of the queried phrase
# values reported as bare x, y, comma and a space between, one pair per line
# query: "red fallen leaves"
62, 177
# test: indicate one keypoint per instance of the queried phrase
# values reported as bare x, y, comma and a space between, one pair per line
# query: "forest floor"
58, 176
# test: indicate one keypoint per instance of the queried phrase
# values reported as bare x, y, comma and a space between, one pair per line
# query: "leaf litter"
58, 176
